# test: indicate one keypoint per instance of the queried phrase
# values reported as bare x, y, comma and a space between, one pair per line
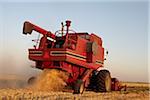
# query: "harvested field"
23, 94
136, 93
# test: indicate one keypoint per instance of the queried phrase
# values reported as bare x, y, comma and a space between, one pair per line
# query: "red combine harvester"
79, 54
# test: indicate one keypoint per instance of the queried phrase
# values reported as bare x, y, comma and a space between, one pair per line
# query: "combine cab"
79, 54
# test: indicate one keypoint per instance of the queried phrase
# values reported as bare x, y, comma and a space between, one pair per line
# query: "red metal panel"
71, 56
41, 30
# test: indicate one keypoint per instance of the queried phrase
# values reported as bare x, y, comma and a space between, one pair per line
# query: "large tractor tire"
79, 87
92, 85
103, 81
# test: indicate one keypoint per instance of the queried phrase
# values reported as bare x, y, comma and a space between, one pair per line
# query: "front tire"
103, 81
92, 84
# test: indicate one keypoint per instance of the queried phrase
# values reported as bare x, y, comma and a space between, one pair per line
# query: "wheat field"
25, 94
18, 90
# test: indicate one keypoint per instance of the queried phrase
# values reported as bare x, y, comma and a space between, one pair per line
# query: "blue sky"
123, 27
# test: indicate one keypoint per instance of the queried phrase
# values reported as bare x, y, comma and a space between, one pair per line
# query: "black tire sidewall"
102, 77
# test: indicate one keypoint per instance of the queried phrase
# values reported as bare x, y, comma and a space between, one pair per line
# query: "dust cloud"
50, 80
12, 81
15, 70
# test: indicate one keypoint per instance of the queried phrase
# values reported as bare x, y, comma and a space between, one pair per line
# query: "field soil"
17, 89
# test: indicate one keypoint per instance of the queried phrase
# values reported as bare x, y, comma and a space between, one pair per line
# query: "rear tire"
79, 87
103, 81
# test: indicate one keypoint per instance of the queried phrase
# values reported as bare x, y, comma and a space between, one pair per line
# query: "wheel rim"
108, 83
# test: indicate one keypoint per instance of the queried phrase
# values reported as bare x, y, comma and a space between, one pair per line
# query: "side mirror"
27, 28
